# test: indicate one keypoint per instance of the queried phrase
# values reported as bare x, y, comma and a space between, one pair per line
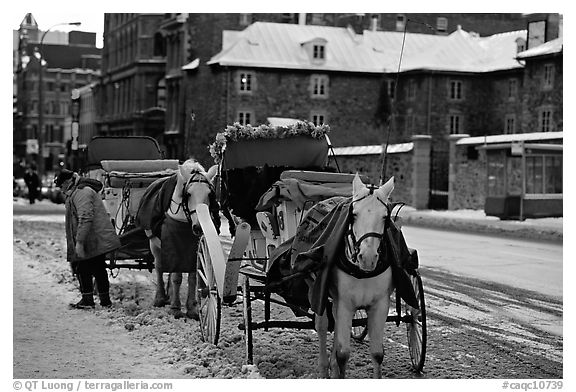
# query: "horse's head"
369, 210
193, 188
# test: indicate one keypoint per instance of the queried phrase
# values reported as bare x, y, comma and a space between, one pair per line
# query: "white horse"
193, 187
369, 210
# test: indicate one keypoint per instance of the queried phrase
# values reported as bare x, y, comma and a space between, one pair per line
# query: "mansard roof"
281, 45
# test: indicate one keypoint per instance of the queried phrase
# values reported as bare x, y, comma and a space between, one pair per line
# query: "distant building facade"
65, 67
131, 96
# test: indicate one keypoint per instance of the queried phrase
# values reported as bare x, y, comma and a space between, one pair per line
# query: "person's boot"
87, 302
105, 300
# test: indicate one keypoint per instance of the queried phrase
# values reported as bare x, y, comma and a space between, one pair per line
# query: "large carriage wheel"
359, 332
247, 313
209, 304
416, 327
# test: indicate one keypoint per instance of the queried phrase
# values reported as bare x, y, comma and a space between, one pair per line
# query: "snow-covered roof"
466, 52
516, 137
547, 48
375, 149
282, 45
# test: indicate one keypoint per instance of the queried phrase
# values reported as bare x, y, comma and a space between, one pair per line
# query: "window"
520, 45
316, 49
536, 33
246, 82
441, 24
512, 89
245, 19
319, 86
410, 124
545, 120
318, 118
456, 89
318, 52
510, 124
375, 23
245, 117
317, 19
391, 86
543, 174
455, 124
400, 22
411, 89
548, 76
160, 93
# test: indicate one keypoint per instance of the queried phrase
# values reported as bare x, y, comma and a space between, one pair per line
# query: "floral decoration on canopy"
238, 132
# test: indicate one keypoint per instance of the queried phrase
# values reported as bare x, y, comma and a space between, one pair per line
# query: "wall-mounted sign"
32, 146
517, 148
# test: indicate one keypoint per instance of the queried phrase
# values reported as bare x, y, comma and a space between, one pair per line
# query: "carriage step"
279, 324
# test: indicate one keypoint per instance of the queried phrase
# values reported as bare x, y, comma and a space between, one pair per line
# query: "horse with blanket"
348, 250
167, 214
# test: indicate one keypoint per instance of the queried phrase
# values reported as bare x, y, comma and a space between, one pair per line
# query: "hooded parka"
87, 221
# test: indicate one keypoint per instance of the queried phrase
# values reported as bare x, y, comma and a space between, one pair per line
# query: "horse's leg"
341, 346
160, 298
175, 305
321, 323
377, 315
191, 304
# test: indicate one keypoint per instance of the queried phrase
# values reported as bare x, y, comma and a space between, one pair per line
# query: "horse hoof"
193, 315
177, 313
161, 302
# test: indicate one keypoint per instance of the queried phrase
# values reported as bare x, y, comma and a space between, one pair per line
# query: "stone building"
69, 60
132, 93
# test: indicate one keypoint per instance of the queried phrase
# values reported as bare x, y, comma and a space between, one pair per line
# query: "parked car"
19, 188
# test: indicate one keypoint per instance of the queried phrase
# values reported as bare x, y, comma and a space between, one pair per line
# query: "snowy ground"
136, 340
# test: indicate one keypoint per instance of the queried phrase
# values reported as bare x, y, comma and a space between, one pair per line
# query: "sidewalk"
476, 221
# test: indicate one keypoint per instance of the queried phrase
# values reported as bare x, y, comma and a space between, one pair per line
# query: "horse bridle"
356, 243
185, 195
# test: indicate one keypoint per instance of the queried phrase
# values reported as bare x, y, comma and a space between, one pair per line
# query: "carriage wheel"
209, 304
360, 332
247, 312
416, 328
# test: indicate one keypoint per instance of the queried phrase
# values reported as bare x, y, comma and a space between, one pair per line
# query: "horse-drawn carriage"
126, 166
272, 181
275, 186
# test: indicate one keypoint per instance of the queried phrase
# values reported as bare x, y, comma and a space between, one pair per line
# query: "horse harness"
185, 195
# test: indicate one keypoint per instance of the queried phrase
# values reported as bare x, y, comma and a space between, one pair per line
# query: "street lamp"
41, 97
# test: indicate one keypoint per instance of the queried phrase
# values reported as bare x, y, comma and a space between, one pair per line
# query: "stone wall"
467, 178
398, 165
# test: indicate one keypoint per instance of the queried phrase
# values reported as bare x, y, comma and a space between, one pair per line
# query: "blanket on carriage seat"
312, 253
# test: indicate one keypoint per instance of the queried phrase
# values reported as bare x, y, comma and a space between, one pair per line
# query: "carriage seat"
329, 179
139, 173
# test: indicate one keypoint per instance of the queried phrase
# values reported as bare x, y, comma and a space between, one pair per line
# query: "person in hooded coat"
90, 235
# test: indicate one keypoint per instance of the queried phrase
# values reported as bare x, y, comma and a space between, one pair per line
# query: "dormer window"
318, 52
316, 49
520, 45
